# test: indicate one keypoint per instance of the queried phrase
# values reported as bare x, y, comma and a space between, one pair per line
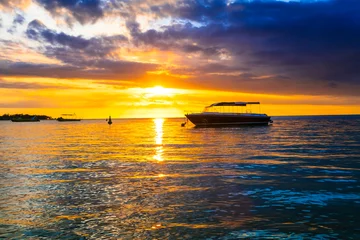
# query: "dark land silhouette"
24, 116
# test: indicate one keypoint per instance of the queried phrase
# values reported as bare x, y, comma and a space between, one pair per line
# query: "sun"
159, 91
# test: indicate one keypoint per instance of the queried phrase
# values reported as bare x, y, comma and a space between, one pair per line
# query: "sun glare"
159, 91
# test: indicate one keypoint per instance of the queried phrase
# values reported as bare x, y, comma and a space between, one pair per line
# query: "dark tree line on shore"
23, 116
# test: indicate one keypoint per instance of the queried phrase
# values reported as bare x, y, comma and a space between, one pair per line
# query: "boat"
33, 119
109, 121
228, 114
68, 118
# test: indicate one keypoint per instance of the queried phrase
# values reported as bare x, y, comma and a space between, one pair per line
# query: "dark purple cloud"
83, 11
194, 10
310, 44
39, 32
264, 46
82, 58
18, 20
72, 49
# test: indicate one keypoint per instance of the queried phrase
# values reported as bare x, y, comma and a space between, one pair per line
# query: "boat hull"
219, 120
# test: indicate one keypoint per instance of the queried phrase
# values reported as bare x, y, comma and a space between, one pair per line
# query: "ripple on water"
307, 198
151, 179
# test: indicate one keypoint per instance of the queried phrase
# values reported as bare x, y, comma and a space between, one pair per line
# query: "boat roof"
232, 104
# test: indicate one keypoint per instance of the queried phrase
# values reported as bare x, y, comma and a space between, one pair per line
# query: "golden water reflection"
187, 183
159, 122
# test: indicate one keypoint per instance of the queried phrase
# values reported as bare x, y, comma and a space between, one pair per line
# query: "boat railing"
224, 111
67, 116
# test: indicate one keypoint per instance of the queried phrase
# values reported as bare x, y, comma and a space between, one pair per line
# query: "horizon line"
312, 115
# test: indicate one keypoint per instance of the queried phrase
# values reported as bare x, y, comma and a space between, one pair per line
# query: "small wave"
307, 198
337, 180
244, 234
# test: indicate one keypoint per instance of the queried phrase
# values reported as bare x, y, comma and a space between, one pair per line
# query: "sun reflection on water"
152, 179
158, 139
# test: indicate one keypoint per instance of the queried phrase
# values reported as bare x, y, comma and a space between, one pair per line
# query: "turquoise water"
152, 179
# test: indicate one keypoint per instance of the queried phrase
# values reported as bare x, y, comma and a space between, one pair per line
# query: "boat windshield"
232, 107
68, 116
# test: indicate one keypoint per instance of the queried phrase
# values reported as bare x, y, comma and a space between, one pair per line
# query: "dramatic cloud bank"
275, 47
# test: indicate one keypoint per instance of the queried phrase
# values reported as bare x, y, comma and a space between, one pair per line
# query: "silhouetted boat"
228, 114
109, 121
33, 119
68, 118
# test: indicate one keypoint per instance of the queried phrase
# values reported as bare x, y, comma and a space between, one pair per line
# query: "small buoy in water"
184, 123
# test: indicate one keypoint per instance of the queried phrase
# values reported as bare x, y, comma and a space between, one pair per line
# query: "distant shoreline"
48, 118
8, 117
339, 115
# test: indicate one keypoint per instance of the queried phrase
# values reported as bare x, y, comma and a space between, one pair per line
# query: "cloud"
29, 103
38, 31
174, 38
10, 5
311, 45
82, 58
84, 11
293, 47
18, 20
28, 85
199, 11
106, 69
72, 49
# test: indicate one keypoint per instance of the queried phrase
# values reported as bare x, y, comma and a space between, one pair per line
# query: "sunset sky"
161, 58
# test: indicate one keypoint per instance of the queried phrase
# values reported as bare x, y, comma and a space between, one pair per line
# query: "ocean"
153, 179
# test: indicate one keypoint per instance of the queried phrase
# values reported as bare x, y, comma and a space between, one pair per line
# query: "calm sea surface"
152, 179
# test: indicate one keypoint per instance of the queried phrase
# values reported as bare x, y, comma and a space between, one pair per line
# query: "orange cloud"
11, 4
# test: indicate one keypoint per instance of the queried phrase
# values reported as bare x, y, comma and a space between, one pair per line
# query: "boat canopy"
232, 104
